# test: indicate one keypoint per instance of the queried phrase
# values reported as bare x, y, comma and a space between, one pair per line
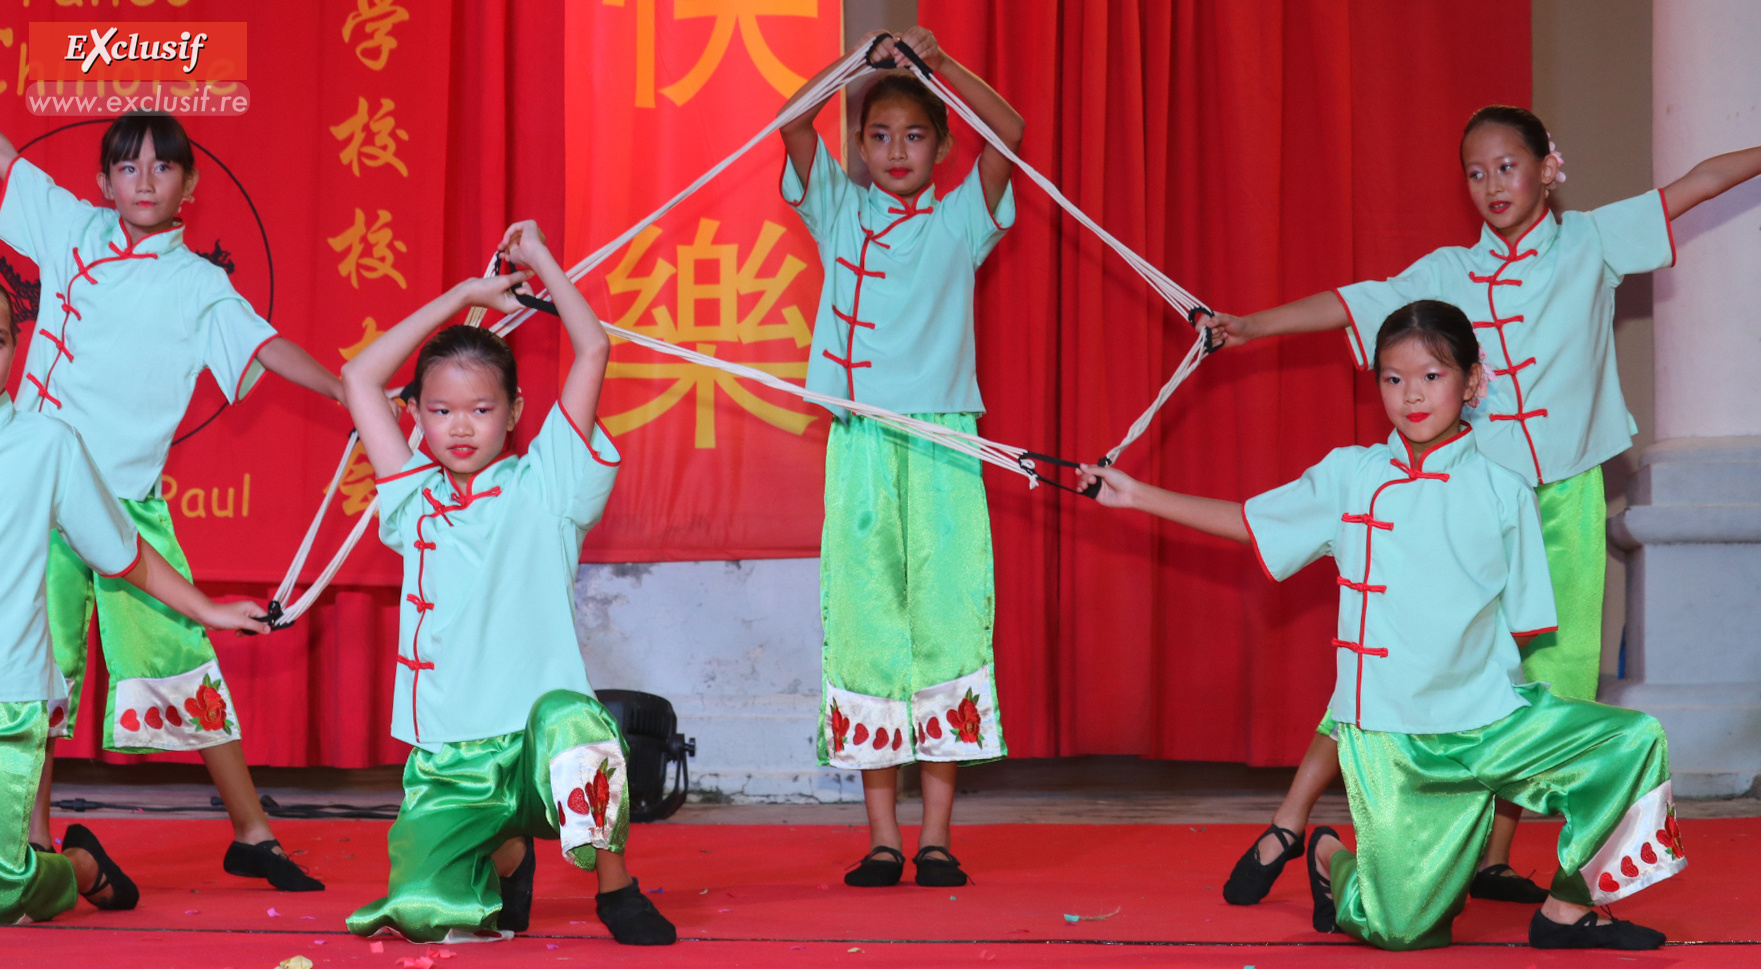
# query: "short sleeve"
38, 217
1527, 602
1635, 233
234, 334
571, 471
1368, 304
400, 499
973, 221
827, 189
1294, 524
89, 516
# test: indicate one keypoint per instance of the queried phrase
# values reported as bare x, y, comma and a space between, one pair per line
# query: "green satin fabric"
34, 885
142, 636
1574, 525
1421, 806
907, 582
463, 801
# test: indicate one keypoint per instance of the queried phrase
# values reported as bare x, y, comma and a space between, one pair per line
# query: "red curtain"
1259, 152
321, 693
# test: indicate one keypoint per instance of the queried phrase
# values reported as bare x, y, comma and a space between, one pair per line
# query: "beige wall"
1592, 67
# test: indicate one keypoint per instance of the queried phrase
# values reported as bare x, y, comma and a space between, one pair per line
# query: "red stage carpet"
772, 895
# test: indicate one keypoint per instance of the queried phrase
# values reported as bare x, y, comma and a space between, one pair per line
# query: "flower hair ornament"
1558, 160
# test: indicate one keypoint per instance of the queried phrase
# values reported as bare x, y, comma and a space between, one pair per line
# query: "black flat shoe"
943, 872
516, 893
1320, 886
1493, 884
632, 918
1251, 880
1585, 933
45, 849
261, 860
877, 872
123, 893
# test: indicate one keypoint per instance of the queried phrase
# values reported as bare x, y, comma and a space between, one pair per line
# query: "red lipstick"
1418, 416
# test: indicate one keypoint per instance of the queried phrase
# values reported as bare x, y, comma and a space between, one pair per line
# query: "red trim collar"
1512, 248
1417, 461
470, 482
122, 227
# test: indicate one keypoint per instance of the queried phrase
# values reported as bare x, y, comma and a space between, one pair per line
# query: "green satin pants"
1574, 526
908, 600
561, 778
166, 691
1421, 805
33, 885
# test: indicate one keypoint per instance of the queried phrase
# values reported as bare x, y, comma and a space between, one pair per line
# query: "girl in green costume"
1540, 291
906, 586
53, 487
1443, 574
510, 743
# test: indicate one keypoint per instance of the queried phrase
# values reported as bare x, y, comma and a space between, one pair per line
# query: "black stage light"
651, 729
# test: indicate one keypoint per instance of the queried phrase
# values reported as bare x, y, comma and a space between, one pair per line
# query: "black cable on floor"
328, 812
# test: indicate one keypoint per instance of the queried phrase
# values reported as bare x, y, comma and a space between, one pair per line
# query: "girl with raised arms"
906, 585
510, 743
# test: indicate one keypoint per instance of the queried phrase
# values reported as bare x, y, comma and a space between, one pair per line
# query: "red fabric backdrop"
1259, 151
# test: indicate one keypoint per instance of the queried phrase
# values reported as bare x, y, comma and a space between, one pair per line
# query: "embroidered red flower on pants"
965, 721
1670, 837
839, 724
208, 707
598, 793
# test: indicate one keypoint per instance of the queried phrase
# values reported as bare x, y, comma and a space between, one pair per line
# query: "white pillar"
1693, 523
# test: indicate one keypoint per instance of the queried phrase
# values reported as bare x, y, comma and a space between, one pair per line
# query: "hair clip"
1558, 160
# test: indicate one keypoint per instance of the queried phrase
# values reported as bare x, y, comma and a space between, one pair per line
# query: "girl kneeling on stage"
1443, 573
491, 691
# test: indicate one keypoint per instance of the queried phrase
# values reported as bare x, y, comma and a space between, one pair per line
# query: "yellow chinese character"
370, 331
379, 260
688, 377
382, 126
375, 18
730, 16
710, 273
357, 482
730, 279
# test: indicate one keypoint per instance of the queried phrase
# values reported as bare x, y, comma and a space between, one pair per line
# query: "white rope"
1009, 458
294, 610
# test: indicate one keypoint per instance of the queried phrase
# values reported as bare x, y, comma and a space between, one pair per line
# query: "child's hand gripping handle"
892, 63
1212, 344
1094, 490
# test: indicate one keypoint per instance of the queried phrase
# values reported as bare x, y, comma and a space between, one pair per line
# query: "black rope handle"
1212, 345
273, 616
502, 265
892, 63
1028, 462
885, 65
